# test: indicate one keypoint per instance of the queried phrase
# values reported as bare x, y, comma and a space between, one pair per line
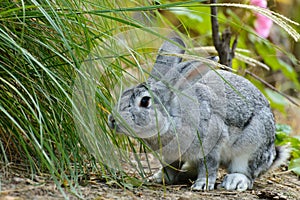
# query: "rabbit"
199, 118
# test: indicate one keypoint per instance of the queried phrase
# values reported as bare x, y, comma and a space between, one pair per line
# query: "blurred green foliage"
275, 51
283, 137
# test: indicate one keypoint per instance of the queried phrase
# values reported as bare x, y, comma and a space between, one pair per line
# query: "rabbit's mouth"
113, 124
151, 129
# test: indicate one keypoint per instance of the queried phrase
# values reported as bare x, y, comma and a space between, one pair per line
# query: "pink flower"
259, 3
262, 24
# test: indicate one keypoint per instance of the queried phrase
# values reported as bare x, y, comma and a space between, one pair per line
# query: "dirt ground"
281, 184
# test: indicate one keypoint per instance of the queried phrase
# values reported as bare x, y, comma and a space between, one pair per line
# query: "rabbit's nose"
111, 122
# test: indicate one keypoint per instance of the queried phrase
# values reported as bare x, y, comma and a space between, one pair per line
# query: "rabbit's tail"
282, 155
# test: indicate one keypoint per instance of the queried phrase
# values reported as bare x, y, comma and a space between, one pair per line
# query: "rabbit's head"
138, 114
145, 110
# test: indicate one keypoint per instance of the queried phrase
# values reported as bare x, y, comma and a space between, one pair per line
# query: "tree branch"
226, 54
215, 25
222, 46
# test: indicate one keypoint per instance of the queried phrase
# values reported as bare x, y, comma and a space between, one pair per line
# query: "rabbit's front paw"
203, 184
156, 178
236, 181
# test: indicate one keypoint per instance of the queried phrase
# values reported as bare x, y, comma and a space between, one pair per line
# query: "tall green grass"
43, 47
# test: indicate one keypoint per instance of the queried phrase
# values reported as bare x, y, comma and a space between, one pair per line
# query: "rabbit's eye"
145, 102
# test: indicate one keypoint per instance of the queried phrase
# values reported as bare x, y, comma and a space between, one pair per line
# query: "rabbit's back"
242, 100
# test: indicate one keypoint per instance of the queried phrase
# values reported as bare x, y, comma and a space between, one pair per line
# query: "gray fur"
200, 119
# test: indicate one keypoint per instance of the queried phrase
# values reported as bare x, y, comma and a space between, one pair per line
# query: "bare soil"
281, 184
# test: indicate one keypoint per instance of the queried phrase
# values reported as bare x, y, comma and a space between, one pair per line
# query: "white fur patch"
239, 163
236, 181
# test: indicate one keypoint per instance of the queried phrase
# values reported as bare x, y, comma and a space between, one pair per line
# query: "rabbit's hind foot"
236, 181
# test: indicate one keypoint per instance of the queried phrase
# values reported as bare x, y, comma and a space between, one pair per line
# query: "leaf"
295, 166
268, 52
284, 128
289, 72
277, 100
195, 18
281, 138
188, 13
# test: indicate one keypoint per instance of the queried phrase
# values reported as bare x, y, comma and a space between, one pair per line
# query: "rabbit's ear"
185, 74
165, 62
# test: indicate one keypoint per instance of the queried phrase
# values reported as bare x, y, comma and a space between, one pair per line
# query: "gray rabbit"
198, 119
